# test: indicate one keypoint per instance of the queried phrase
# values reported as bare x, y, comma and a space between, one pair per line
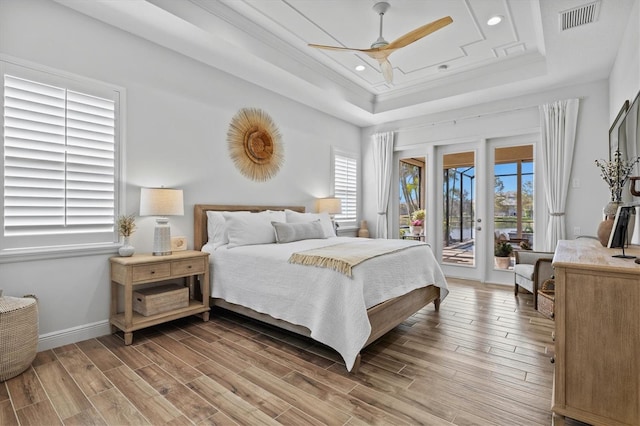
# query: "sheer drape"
558, 122
383, 166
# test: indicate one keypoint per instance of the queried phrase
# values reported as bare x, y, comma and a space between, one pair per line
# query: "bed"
345, 310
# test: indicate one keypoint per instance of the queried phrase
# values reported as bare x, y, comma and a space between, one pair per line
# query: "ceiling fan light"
359, 67
494, 20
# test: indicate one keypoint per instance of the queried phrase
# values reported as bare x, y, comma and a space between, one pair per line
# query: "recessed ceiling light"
360, 68
494, 20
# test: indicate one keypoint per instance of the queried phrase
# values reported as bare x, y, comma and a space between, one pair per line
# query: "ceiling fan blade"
321, 46
387, 71
418, 33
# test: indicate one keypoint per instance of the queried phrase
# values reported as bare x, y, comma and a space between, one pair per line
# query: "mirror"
630, 134
616, 129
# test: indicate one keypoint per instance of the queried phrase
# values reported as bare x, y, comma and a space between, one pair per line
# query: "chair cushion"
524, 270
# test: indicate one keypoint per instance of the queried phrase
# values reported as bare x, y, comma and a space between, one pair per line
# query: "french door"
484, 197
474, 195
460, 209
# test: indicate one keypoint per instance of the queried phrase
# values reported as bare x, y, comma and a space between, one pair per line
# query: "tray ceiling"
465, 63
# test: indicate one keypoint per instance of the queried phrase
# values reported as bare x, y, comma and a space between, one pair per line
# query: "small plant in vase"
126, 227
502, 253
417, 221
616, 174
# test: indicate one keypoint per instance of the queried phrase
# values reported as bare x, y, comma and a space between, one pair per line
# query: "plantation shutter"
345, 186
59, 161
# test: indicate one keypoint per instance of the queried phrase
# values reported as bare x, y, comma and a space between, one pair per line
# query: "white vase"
610, 209
126, 249
415, 229
363, 232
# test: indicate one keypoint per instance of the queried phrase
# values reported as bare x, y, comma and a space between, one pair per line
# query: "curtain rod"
474, 116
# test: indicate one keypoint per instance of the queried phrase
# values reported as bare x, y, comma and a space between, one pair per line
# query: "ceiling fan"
381, 49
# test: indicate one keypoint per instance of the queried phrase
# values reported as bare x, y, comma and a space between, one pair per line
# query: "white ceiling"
265, 42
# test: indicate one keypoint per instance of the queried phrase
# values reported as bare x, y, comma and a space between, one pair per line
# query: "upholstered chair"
531, 269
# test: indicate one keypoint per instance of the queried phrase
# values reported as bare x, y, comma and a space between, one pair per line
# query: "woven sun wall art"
254, 144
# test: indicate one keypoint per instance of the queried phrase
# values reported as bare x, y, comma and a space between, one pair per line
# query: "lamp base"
162, 237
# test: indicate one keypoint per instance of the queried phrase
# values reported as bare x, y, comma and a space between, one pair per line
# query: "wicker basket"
546, 299
18, 334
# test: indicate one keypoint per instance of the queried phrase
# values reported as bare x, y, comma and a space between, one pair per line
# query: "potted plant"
417, 222
126, 227
502, 252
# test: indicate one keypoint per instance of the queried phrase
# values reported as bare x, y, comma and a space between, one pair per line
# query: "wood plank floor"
483, 359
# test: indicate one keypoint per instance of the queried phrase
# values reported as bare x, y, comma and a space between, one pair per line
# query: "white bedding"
330, 304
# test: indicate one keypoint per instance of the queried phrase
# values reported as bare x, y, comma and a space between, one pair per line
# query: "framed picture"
614, 130
178, 243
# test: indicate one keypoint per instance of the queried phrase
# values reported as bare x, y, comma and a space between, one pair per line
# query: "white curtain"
558, 122
383, 166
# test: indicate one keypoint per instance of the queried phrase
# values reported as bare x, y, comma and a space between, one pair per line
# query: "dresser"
597, 336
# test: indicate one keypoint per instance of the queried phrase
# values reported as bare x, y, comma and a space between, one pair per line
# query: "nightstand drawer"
188, 266
152, 271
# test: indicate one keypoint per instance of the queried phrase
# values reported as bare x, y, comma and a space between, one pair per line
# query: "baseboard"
73, 335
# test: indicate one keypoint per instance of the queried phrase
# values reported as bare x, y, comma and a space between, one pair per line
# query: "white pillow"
216, 229
325, 220
289, 232
246, 228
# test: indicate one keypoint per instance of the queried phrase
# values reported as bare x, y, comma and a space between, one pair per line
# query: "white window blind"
346, 186
59, 163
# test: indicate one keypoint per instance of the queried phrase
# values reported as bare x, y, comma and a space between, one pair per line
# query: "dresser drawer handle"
189, 267
152, 272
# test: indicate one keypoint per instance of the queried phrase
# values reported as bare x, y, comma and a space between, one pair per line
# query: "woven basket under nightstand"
18, 334
546, 298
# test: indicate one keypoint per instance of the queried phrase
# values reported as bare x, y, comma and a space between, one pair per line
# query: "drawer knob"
189, 267
153, 272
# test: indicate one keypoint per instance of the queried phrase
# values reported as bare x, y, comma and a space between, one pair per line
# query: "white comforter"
330, 304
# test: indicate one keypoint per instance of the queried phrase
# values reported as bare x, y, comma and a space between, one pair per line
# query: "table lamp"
161, 202
330, 205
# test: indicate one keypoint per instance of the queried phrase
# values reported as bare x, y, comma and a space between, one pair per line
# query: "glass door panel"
411, 213
459, 204
513, 201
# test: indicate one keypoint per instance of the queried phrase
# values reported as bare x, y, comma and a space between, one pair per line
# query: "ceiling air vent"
580, 15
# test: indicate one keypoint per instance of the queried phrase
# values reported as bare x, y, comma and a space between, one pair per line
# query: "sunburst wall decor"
254, 144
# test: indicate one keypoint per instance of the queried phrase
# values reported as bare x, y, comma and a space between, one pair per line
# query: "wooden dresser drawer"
188, 266
151, 271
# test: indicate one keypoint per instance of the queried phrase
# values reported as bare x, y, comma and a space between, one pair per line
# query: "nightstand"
129, 272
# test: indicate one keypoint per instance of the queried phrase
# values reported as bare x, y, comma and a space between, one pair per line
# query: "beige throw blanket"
343, 257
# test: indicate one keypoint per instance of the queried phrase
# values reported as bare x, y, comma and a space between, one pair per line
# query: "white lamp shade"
161, 202
329, 205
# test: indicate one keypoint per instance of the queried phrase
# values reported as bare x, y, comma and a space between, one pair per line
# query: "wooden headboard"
200, 236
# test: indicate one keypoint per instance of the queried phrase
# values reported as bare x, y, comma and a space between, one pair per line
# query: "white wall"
517, 116
177, 115
624, 80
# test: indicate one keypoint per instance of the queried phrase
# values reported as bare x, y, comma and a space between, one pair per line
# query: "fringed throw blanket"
344, 256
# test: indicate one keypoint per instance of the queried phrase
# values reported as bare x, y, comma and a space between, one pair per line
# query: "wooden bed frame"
383, 317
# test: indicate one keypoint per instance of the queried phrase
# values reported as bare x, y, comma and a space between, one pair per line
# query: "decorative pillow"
289, 232
246, 228
325, 220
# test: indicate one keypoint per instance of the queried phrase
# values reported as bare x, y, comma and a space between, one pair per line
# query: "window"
60, 141
345, 175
